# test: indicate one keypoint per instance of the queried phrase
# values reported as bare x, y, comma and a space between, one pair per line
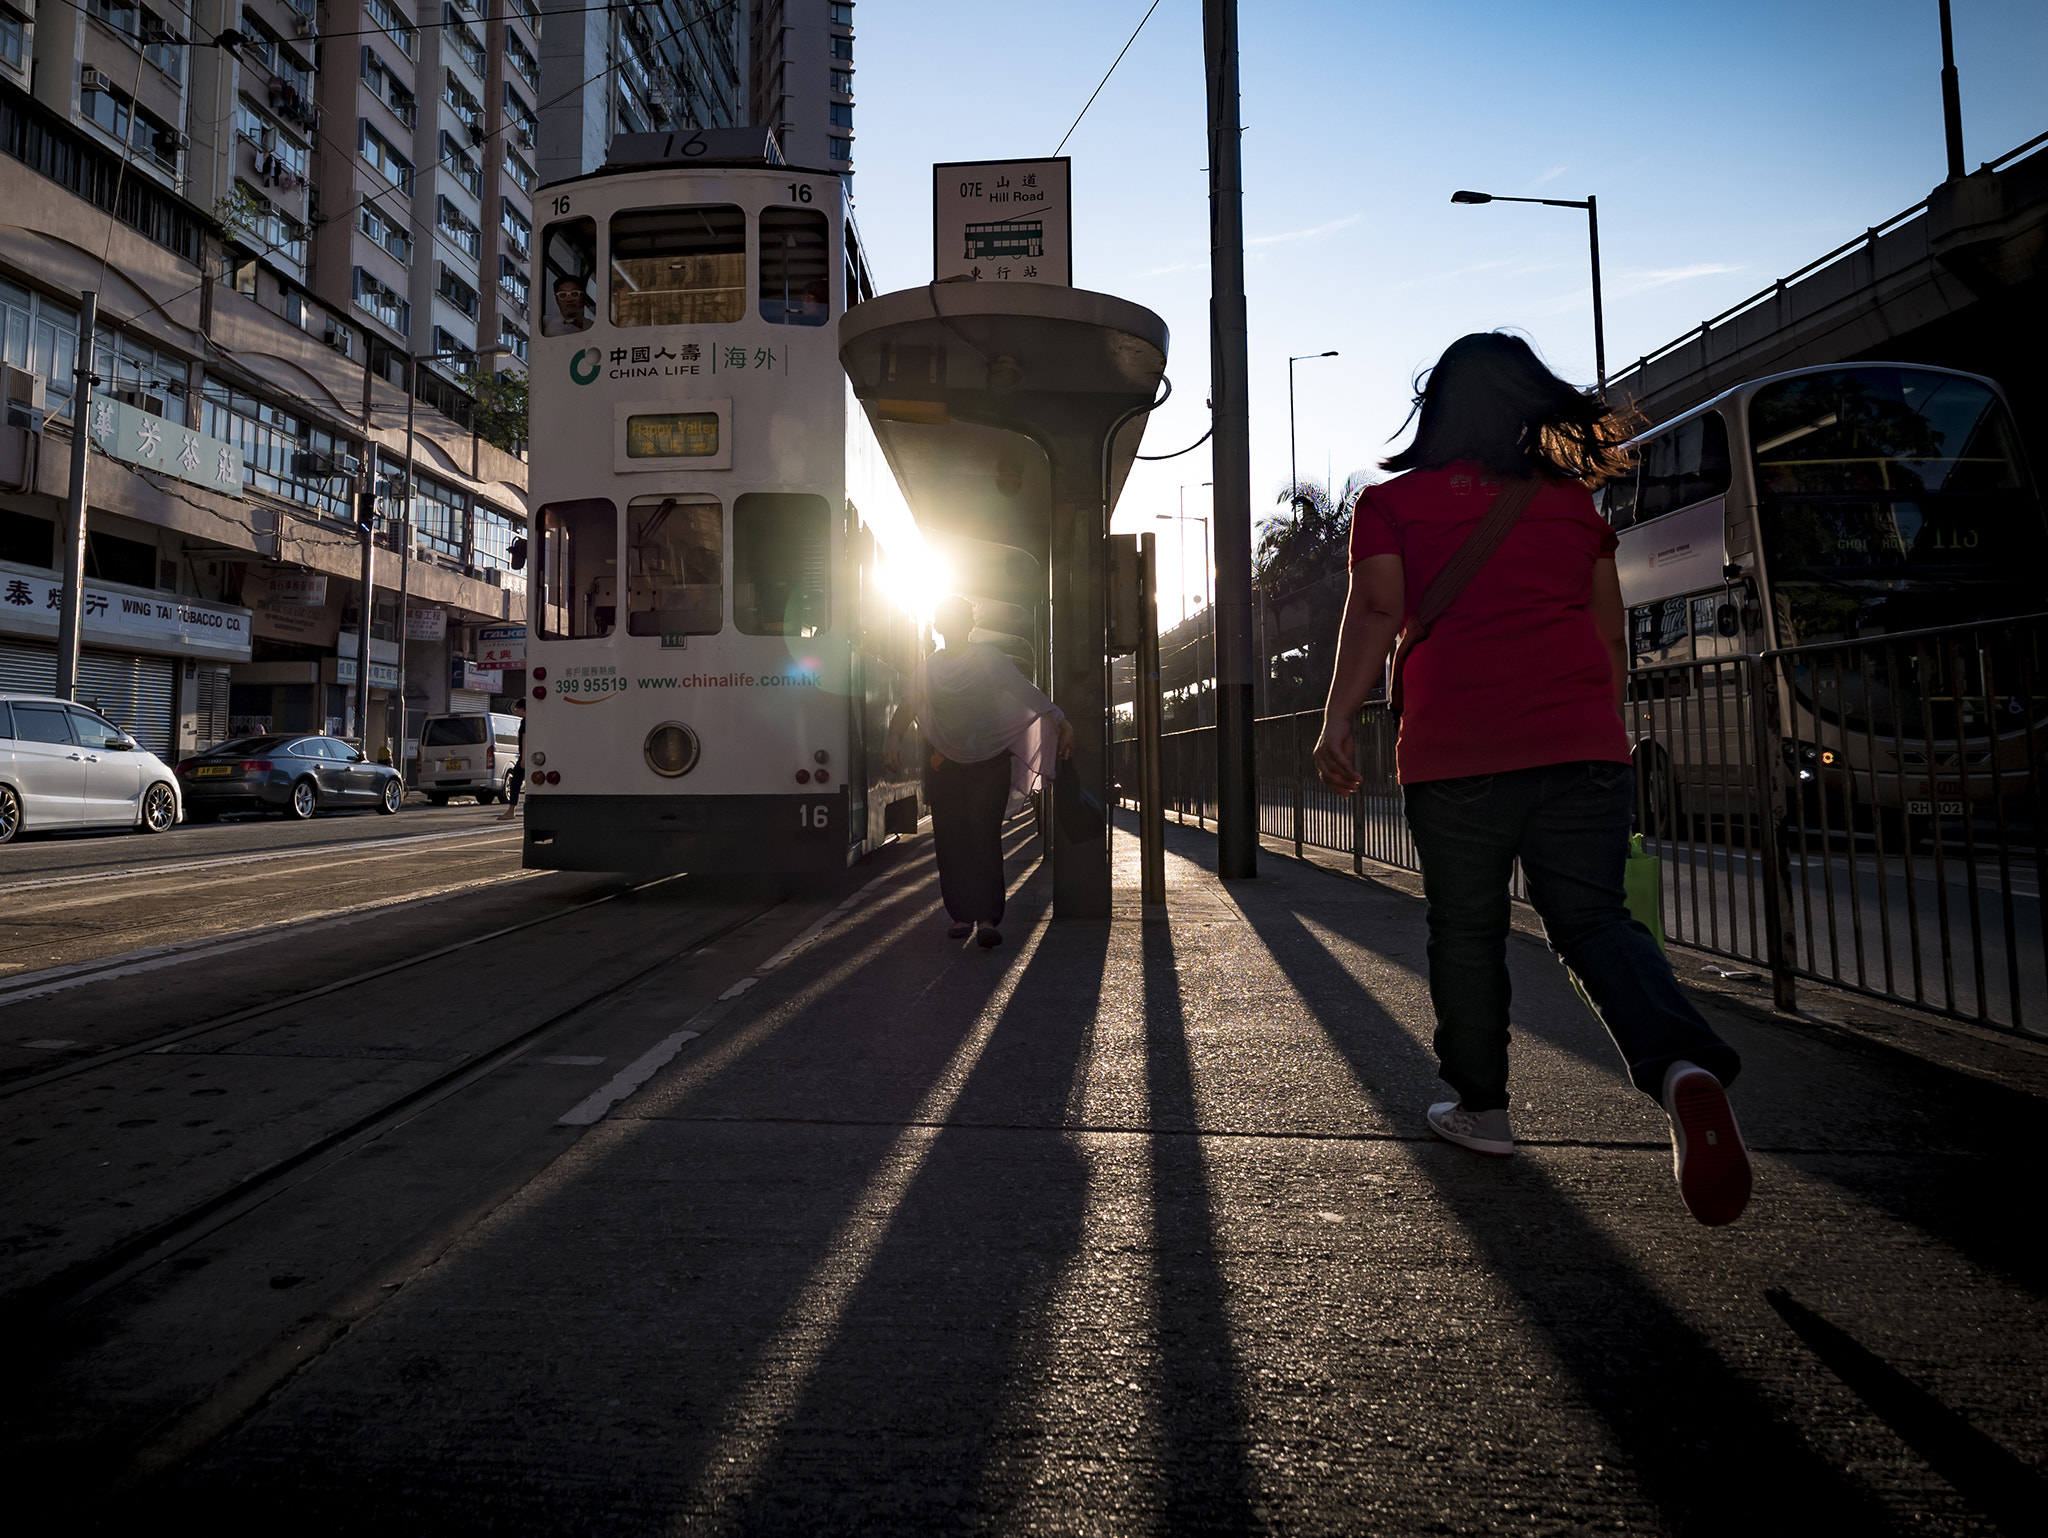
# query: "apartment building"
803, 80
665, 64
279, 205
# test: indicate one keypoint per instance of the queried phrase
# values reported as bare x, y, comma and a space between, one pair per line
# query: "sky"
1728, 143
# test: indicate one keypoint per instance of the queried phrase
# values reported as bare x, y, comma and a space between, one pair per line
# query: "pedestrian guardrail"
1862, 813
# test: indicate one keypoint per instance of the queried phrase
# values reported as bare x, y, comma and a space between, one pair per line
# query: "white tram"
710, 661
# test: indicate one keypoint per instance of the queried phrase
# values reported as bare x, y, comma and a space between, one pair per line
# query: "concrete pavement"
1136, 1227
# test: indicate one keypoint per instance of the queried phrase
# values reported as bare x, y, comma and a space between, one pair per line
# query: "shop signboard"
426, 624
467, 675
293, 587
501, 646
141, 438
113, 616
1003, 221
383, 675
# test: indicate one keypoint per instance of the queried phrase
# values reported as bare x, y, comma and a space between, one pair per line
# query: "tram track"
81, 1282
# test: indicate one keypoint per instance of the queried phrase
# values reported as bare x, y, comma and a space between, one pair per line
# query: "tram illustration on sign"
986, 242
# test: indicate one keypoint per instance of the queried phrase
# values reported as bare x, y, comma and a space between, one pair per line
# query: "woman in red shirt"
1511, 745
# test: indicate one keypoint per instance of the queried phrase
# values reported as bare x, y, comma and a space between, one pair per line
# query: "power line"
1105, 77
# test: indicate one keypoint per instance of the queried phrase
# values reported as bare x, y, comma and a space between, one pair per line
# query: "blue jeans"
1569, 825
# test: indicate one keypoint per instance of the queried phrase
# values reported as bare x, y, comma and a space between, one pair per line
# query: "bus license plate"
1926, 809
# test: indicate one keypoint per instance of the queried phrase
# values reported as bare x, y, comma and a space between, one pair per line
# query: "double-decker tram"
1867, 531
710, 659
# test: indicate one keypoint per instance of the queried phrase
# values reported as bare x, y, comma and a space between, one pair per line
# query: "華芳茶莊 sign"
141, 438
31, 602
1003, 221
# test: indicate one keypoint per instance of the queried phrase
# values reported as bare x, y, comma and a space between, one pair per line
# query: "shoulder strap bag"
1509, 503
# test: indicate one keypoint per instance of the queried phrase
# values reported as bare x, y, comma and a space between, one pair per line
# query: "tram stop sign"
1003, 221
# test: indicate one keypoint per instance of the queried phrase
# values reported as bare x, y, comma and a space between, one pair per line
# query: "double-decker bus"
1841, 521
711, 660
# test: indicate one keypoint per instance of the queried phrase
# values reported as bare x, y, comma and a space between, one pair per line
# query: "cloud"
1548, 176
1310, 234
1641, 282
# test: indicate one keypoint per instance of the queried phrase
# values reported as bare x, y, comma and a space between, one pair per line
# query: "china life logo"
586, 364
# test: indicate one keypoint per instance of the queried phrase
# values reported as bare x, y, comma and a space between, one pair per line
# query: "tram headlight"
672, 750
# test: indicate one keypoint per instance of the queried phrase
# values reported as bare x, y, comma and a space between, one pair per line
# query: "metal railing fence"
1863, 813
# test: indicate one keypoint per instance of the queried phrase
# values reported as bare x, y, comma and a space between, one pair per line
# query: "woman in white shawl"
993, 738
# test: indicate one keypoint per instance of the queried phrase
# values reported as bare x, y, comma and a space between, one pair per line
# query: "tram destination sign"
1003, 221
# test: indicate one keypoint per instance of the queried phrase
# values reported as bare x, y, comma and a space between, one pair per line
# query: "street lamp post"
1592, 207
1293, 469
1180, 522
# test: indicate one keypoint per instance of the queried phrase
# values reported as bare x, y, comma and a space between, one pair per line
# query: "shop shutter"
210, 721
139, 693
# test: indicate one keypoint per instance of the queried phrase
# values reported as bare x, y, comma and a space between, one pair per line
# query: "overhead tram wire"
1105, 77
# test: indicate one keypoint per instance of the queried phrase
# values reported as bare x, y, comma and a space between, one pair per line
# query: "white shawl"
973, 704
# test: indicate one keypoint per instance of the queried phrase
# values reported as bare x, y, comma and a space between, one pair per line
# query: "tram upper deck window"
675, 566
796, 267
679, 266
781, 564
568, 263
579, 569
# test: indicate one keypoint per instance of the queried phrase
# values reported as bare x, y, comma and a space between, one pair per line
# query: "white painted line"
179, 867
629, 1078
40, 985
738, 988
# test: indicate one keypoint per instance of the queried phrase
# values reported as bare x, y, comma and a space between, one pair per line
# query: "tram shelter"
1010, 414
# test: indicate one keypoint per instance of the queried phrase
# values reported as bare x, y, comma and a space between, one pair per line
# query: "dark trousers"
513, 781
967, 830
1569, 826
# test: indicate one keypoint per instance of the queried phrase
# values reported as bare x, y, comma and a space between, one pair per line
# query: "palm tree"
1299, 568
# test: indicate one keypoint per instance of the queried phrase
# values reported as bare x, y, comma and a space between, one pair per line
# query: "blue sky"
1729, 143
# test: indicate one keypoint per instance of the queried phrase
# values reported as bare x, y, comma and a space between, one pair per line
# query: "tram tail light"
803, 776
554, 776
822, 776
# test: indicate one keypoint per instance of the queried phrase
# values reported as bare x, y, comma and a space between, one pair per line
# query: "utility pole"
366, 519
72, 614
1951, 98
1237, 812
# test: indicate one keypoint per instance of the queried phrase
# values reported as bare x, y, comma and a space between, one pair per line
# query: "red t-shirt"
1514, 675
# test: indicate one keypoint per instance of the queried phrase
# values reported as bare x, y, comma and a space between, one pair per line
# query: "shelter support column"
1080, 671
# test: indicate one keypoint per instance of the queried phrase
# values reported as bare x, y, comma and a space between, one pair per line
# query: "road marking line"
129, 872
738, 988
39, 985
628, 1079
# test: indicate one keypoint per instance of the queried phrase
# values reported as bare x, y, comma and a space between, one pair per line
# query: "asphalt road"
578, 1204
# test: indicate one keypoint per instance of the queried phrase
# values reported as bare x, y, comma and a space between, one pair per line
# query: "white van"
467, 756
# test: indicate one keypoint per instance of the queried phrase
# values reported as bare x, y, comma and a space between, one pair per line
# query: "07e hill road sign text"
1003, 221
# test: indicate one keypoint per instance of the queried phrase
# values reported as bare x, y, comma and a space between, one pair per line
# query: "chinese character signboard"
129, 433
425, 624
501, 646
293, 587
1003, 221
31, 600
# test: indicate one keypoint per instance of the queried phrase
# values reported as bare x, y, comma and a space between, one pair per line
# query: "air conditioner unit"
90, 79
182, 140
341, 338
347, 465
141, 400
306, 27
307, 466
22, 392
525, 136
476, 130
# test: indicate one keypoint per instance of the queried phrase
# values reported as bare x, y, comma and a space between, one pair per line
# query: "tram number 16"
814, 816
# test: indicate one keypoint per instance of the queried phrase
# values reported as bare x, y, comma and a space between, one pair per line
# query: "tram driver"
572, 309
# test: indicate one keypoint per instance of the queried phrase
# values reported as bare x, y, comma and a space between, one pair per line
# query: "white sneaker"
1707, 1155
1484, 1132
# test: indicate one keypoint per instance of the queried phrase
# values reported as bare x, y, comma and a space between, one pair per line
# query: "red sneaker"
1707, 1155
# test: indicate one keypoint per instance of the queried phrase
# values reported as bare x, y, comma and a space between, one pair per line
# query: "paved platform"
1136, 1227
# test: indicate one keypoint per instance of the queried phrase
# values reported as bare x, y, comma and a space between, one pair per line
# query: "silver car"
63, 767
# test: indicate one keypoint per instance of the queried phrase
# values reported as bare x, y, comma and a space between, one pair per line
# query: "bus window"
796, 267
679, 266
781, 564
1685, 465
1617, 500
568, 263
579, 567
675, 566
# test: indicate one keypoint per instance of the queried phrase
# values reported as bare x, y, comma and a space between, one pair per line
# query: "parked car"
467, 756
63, 766
297, 776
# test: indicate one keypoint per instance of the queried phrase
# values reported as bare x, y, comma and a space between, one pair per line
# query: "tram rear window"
796, 267
675, 566
781, 564
679, 266
579, 569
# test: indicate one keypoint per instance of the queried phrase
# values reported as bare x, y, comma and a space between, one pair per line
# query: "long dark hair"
1490, 399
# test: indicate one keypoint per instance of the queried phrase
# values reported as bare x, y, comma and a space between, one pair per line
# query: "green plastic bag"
1642, 880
